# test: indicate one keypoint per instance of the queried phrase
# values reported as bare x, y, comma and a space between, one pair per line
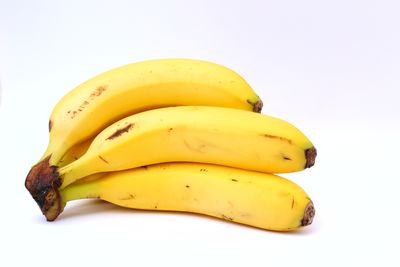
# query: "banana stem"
80, 190
43, 183
257, 106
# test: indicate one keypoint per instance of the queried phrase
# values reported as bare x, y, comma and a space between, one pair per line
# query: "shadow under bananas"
90, 207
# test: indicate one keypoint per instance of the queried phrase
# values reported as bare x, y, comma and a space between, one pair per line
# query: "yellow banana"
215, 135
133, 88
136, 87
257, 199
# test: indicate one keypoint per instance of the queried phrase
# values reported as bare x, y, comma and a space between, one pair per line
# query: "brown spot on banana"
223, 216
198, 148
278, 137
96, 93
128, 197
50, 125
121, 131
103, 159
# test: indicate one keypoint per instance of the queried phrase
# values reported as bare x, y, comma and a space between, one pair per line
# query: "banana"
257, 199
75, 152
133, 88
137, 87
215, 135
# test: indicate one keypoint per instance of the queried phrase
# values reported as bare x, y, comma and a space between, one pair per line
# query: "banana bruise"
256, 199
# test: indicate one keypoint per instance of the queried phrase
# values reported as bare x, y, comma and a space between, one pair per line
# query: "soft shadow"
83, 208
304, 231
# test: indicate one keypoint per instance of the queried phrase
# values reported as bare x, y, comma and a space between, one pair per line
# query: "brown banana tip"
311, 154
309, 213
42, 183
257, 106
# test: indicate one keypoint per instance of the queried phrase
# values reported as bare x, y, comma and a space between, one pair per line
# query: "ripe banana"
257, 199
126, 90
133, 88
216, 135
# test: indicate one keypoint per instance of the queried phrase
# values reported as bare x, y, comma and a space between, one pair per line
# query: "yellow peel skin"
137, 87
215, 135
257, 199
75, 153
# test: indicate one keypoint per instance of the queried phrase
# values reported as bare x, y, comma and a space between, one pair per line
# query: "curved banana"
136, 87
130, 89
257, 199
216, 135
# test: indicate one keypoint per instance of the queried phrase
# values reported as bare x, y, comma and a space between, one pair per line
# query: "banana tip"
311, 154
257, 106
309, 213
42, 183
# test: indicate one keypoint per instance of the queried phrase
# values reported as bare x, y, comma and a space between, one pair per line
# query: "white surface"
329, 67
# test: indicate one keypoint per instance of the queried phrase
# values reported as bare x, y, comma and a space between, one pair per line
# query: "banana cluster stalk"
176, 117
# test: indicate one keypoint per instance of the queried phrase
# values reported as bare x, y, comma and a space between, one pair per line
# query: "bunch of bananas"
177, 135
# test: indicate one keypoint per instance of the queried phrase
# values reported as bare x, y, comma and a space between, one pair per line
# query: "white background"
329, 67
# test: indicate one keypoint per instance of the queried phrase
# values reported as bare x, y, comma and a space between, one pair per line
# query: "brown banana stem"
43, 182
